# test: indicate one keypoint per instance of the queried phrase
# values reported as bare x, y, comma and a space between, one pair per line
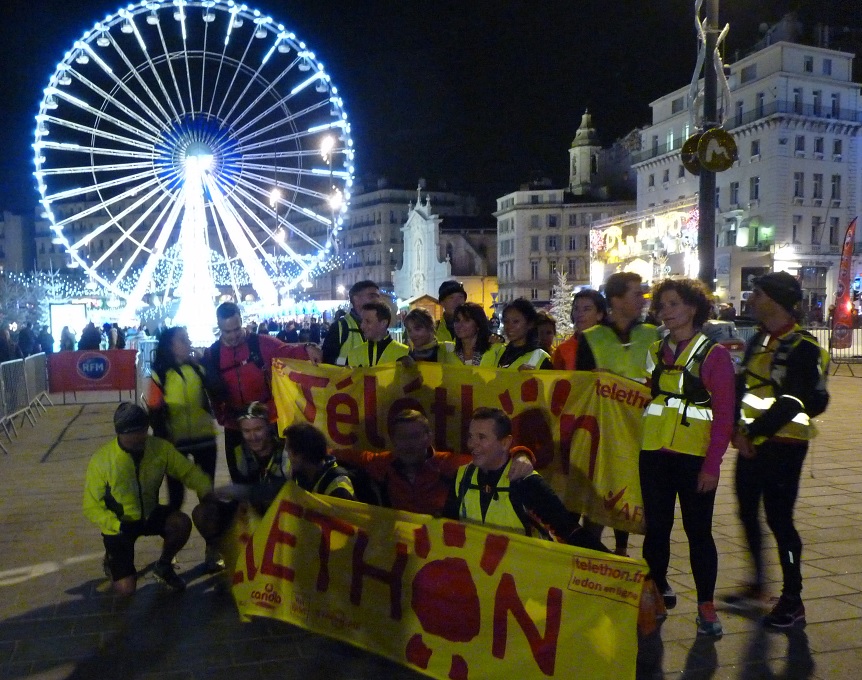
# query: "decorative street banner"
112, 369
842, 318
451, 600
583, 427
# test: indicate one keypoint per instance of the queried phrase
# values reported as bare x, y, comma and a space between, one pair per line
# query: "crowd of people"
700, 404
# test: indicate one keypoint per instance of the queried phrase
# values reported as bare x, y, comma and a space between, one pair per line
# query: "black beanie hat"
781, 287
447, 288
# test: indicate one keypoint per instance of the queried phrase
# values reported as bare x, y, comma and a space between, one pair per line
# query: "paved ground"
58, 621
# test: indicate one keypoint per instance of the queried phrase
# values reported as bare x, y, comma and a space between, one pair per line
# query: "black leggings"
204, 455
773, 475
664, 476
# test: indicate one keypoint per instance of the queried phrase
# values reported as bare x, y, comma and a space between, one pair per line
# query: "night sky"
481, 95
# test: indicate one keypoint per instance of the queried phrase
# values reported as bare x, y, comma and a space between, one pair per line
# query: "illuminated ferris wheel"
182, 145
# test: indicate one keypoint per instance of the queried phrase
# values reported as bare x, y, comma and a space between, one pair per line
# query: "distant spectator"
46, 341
314, 331
67, 340
546, 326
109, 335
90, 338
8, 349
263, 328
27, 340
120, 342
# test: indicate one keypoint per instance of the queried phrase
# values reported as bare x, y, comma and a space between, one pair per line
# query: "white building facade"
784, 205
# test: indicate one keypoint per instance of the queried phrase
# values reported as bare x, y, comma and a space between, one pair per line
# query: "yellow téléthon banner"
583, 427
447, 599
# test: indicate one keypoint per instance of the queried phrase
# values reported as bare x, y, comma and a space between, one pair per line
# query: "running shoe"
786, 613
213, 561
707, 620
669, 597
165, 574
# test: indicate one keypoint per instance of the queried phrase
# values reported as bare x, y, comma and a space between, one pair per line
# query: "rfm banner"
112, 369
451, 600
584, 428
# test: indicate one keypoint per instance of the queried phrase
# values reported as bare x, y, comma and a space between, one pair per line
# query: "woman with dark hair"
472, 333
522, 350
686, 430
180, 410
588, 309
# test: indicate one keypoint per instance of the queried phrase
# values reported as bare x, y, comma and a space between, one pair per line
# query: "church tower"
583, 157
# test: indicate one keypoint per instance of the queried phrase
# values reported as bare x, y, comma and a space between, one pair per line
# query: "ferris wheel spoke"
265, 180
90, 150
80, 191
91, 131
158, 250
220, 234
231, 220
135, 73
114, 221
101, 168
85, 106
285, 120
97, 207
271, 87
236, 72
169, 63
322, 173
110, 72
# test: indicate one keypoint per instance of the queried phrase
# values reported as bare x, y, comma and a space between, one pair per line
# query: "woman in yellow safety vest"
472, 333
522, 350
686, 431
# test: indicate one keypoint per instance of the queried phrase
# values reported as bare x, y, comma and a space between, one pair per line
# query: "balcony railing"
772, 108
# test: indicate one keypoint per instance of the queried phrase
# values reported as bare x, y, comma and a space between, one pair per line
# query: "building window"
739, 112
754, 189
748, 73
534, 221
552, 221
818, 146
534, 244
798, 184
833, 231
755, 148
573, 242
761, 104
552, 243
552, 269
570, 267
651, 181
680, 173
669, 139
835, 194
827, 67
818, 102
800, 144
797, 225
836, 105
797, 100
818, 185
734, 193
535, 199
655, 144
677, 105
808, 64
666, 176
837, 146
573, 220
534, 293
816, 226
534, 270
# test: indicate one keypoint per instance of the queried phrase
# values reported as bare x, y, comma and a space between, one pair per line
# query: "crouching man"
483, 494
121, 497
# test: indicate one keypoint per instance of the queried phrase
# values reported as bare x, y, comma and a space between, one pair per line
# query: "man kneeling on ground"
483, 494
121, 497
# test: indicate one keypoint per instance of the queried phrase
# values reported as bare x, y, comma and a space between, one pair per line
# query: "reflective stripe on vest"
673, 422
760, 379
500, 512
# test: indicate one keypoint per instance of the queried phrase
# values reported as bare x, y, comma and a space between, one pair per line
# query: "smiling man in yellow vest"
484, 494
379, 347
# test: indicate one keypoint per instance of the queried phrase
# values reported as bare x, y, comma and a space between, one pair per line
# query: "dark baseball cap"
782, 287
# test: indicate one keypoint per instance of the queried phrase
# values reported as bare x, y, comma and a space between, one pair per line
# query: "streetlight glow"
327, 144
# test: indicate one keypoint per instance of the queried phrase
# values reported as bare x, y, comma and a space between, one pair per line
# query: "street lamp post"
706, 198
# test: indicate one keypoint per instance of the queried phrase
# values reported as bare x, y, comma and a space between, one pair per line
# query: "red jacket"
246, 382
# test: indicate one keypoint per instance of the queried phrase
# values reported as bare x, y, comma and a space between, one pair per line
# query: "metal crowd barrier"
23, 392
